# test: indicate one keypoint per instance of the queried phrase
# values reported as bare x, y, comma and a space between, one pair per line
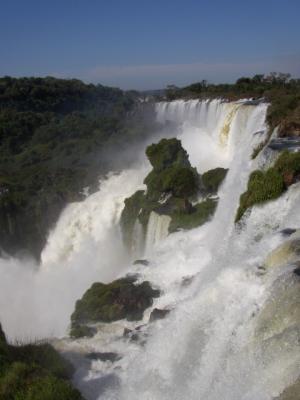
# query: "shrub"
262, 186
34, 372
269, 185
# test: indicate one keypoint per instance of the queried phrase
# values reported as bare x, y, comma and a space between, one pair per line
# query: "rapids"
206, 348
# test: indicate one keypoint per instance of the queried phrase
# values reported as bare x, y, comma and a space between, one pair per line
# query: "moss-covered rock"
79, 331
269, 185
34, 372
117, 300
262, 186
212, 179
30, 382
171, 186
200, 214
166, 153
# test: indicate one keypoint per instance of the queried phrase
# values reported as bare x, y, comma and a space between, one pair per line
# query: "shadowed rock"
158, 314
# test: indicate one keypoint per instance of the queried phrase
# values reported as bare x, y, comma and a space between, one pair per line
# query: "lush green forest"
52, 136
279, 89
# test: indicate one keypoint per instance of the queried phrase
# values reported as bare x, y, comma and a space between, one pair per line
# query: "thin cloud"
158, 76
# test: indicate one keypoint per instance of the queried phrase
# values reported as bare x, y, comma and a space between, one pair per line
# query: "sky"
148, 44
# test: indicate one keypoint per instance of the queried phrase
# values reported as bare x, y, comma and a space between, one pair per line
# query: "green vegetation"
166, 153
199, 214
117, 300
55, 138
269, 185
34, 372
279, 89
212, 179
172, 180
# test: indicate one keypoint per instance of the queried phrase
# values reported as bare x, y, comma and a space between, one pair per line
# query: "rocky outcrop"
120, 299
268, 185
212, 179
172, 186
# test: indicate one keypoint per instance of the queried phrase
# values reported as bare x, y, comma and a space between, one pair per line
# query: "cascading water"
157, 230
208, 347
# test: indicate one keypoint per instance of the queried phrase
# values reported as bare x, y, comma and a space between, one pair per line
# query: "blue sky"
149, 44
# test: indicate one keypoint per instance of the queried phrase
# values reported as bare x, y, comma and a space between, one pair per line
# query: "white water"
157, 231
205, 348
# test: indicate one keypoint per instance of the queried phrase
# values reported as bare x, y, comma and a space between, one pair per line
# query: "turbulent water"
207, 347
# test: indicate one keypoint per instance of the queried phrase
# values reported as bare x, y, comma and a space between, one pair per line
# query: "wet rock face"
285, 143
120, 299
158, 314
281, 313
288, 252
288, 231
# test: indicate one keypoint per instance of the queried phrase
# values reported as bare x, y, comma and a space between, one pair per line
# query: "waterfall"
157, 230
209, 346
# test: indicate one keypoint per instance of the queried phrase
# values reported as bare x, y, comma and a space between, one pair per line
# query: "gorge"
228, 300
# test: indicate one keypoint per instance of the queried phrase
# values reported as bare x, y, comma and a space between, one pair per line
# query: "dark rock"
133, 334
285, 143
141, 262
2, 335
253, 102
120, 299
288, 231
297, 271
158, 314
106, 356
